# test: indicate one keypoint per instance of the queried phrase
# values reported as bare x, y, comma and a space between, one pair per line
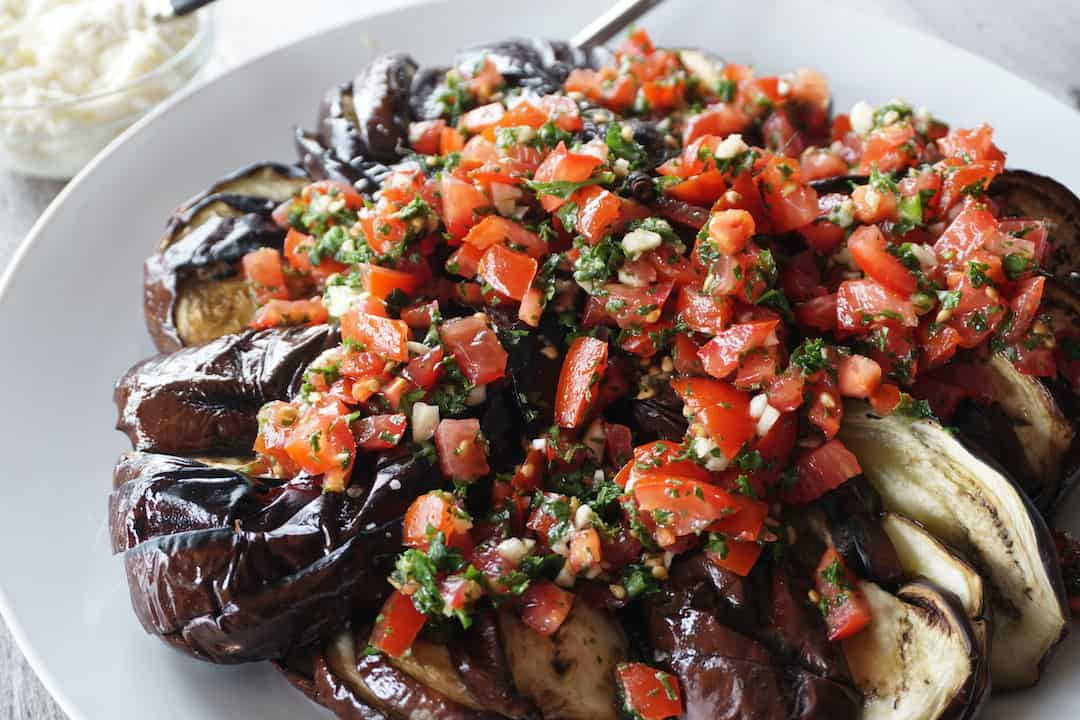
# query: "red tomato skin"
262, 269
859, 303
705, 313
476, 348
720, 356
583, 368
848, 612
397, 625
723, 411
508, 272
434, 509
858, 376
380, 335
868, 249
650, 693
822, 469
461, 450
545, 607
740, 558
280, 313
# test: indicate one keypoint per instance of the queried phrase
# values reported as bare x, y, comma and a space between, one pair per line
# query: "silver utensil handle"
612, 22
166, 9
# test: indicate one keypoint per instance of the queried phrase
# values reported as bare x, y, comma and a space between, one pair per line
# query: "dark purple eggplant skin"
1021, 193
819, 698
369, 117
842, 184
204, 399
330, 692
234, 574
482, 665
213, 249
322, 163
852, 512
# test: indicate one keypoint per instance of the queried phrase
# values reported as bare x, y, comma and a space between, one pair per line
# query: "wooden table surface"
1035, 39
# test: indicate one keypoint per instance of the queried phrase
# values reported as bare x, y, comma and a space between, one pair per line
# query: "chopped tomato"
785, 392
605, 86
873, 205
972, 145
821, 470
648, 693
859, 303
964, 236
757, 367
703, 312
462, 449
746, 523
721, 355
279, 313
481, 118
858, 376
386, 337
683, 506
382, 281
379, 432
262, 270
723, 411
431, 513
563, 111
939, 345
298, 249
451, 141
545, 607
425, 136
322, 443
465, 261
720, 120
818, 314
495, 230
582, 370
420, 316
563, 166
660, 459
507, 272
889, 148
818, 163
847, 611
825, 408
476, 348
868, 249
1025, 305
598, 212
462, 201
635, 306
885, 399
585, 551
730, 230
735, 555
397, 625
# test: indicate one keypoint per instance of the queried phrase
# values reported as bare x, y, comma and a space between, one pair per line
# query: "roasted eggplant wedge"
924, 472
919, 658
192, 292
235, 569
369, 117
203, 400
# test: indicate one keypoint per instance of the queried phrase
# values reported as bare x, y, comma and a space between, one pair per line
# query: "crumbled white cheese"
731, 146
425, 418
638, 242
862, 117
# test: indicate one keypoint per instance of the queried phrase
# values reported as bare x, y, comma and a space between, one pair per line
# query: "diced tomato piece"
262, 270
873, 205
380, 335
397, 625
818, 163
379, 432
582, 370
476, 348
451, 140
868, 249
862, 302
465, 261
462, 449
683, 506
280, 313
506, 271
648, 693
818, 314
976, 144
606, 87
965, 235
532, 307
635, 306
720, 120
420, 317
889, 148
737, 556
461, 201
720, 356
321, 442
431, 513
730, 230
703, 312
545, 607
703, 189
858, 376
424, 370
722, 410
1025, 305
825, 408
562, 165
598, 212
848, 611
785, 392
382, 281
746, 523
298, 247
495, 230
757, 367
939, 344
425, 136
585, 551
821, 470
1039, 362
885, 399
563, 111
481, 118
660, 459
353, 199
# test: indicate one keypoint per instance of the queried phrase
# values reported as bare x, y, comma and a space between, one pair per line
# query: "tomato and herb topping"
544, 255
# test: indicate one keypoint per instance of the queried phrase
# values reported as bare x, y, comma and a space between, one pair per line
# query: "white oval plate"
71, 315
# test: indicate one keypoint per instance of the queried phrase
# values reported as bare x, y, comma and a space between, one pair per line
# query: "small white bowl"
80, 127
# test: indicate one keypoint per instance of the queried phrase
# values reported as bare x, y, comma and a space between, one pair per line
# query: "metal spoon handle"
612, 22
176, 8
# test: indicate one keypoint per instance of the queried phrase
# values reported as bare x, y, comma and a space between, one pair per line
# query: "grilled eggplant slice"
192, 292
571, 674
918, 659
369, 117
203, 400
924, 556
925, 473
238, 569
1017, 420
1025, 194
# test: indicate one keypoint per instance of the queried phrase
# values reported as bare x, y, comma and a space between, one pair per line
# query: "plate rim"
22, 639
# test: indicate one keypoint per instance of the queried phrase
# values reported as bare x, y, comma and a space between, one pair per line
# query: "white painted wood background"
1036, 39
